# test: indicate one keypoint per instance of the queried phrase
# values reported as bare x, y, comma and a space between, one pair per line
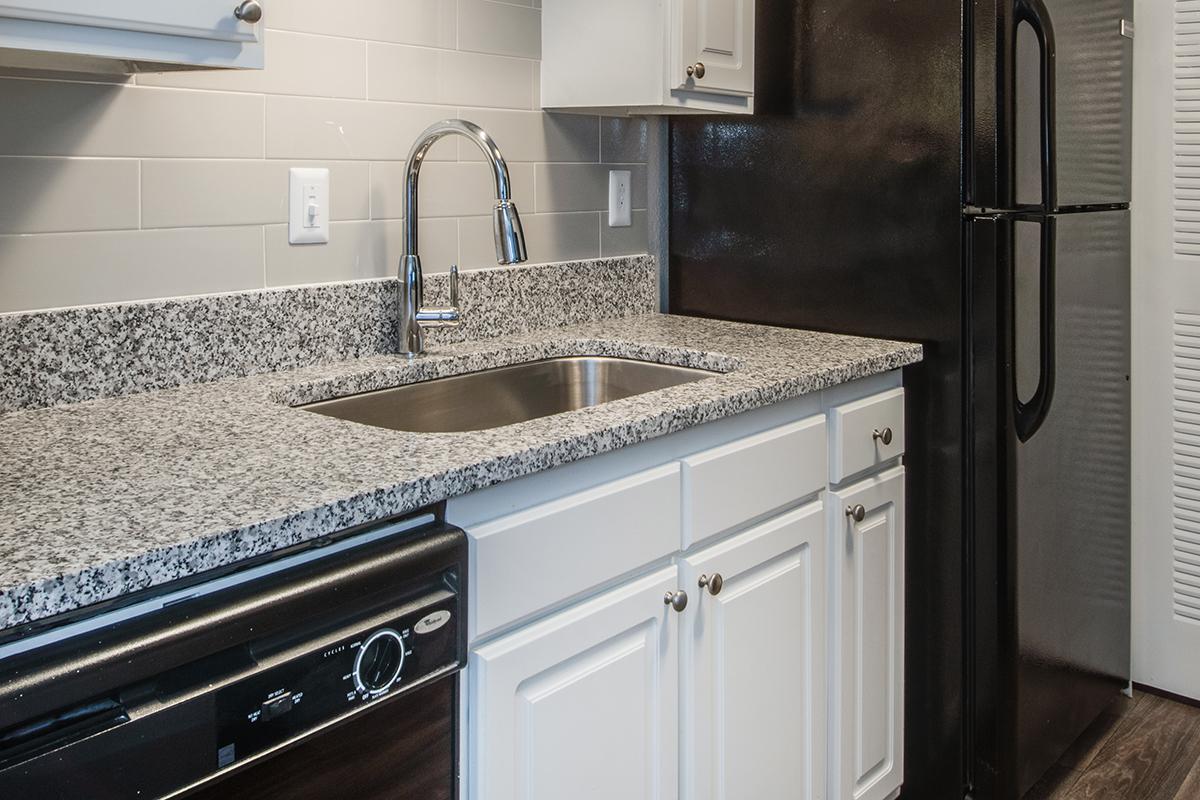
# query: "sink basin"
506, 395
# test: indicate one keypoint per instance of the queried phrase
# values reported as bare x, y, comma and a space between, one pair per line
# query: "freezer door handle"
1034, 13
1028, 416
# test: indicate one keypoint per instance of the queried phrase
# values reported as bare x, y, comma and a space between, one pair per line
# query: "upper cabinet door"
716, 47
753, 710
201, 19
583, 704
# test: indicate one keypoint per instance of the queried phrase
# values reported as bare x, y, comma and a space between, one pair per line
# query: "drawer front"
858, 432
530, 560
737, 482
200, 19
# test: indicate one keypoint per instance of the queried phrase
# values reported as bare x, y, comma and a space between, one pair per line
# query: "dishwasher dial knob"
379, 661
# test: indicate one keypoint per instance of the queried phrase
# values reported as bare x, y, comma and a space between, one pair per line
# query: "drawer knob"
696, 70
248, 11
857, 512
884, 435
676, 600
712, 582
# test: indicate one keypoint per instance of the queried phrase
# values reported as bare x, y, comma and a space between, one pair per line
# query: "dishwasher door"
333, 673
401, 750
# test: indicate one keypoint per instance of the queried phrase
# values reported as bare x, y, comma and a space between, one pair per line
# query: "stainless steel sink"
506, 395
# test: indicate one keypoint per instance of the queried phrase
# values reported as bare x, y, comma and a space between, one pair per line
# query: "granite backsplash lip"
69, 355
110, 496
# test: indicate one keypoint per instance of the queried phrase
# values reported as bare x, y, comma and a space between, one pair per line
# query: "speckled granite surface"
110, 496
68, 355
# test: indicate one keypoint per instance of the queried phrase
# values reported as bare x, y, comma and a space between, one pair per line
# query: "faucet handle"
454, 286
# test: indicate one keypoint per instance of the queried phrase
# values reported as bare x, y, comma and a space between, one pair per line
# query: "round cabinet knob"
676, 600
712, 582
248, 11
857, 513
696, 70
884, 435
379, 661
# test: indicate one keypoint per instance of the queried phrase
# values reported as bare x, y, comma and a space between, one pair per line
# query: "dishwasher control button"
277, 707
379, 661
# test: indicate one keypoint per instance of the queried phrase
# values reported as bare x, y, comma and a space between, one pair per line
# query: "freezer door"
1071, 503
1052, 103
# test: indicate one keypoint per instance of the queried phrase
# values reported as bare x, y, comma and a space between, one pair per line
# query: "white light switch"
308, 205
619, 214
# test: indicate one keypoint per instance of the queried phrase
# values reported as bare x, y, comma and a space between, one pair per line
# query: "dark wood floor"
1144, 748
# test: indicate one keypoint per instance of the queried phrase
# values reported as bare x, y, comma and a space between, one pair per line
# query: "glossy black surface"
837, 207
848, 203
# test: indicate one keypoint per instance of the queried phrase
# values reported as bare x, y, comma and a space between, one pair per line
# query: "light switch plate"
308, 205
620, 214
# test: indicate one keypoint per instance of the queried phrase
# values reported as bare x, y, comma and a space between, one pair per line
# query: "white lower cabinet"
583, 704
780, 678
753, 708
866, 665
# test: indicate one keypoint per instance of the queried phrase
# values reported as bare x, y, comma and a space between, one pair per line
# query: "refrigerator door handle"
1029, 416
1034, 13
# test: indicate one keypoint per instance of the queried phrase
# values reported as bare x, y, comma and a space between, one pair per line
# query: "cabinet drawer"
858, 430
533, 559
737, 482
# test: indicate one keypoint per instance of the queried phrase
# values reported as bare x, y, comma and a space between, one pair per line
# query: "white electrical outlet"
619, 213
308, 205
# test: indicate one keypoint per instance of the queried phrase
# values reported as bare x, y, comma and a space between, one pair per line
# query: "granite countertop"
106, 497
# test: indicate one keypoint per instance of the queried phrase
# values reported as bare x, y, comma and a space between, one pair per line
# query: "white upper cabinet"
716, 46
648, 56
115, 36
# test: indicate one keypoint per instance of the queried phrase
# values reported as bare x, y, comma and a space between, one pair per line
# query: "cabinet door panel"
753, 664
867, 639
203, 19
583, 704
720, 35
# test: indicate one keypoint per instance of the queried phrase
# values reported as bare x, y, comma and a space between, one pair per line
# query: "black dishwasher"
331, 671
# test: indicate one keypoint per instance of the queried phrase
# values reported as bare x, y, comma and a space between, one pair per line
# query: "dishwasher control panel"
312, 687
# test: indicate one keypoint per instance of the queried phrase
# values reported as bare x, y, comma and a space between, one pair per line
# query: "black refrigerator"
955, 173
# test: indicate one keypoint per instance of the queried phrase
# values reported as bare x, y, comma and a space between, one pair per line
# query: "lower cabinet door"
866, 744
583, 704
753, 663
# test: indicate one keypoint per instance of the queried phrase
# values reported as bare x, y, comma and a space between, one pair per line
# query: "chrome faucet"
510, 239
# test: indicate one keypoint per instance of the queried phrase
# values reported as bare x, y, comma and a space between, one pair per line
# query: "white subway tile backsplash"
180, 193
66, 269
630, 240
623, 140
404, 73
438, 240
94, 119
420, 75
535, 136
176, 183
584, 187
297, 63
548, 237
360, 249
67, 194
446, 189
500, 27
317, 128
428, 22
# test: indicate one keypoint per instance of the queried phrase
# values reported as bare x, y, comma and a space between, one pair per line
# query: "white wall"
1166, 302
175, 184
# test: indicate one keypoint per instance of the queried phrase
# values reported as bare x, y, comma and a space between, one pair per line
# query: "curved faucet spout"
491, 152
506, 226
